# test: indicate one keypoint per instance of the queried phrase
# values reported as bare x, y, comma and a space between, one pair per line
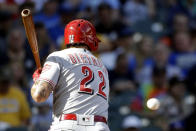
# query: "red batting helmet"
81, 31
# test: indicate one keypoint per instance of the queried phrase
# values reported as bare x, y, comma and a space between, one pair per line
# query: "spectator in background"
18, 75
183, 55
45, 44
15, 42
157, 87
125, 40
107, 24
39, 4
177, 105
160, 58
93, 4
120, 78
161, 55
190, 6
49, 16
5, 22
180, 23
172, 8
143, 58
122, 45
72, 4
87, 14
19, 78
131, 123
14, 109
57, 32
10, 5
43, 118
134, 11
16, 50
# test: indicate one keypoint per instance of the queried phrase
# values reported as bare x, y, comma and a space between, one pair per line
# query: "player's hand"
36, 74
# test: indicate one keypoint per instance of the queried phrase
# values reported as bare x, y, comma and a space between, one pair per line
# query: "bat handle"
37, 61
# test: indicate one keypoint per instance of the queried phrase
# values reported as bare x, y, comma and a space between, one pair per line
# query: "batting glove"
36, 74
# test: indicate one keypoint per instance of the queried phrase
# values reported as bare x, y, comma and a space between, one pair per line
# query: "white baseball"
153, 104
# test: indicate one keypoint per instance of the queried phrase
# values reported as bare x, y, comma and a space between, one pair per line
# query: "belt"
74, 117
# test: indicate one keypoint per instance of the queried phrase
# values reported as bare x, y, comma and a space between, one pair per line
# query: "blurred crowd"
148, 47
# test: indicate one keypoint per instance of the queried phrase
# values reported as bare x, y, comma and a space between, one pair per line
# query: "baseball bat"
31, 34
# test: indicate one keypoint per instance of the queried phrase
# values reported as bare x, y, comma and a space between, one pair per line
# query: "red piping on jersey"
49, 81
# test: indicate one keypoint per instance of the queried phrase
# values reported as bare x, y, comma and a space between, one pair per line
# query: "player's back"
83, 85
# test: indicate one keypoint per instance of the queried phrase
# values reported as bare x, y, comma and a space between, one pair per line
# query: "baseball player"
78, 80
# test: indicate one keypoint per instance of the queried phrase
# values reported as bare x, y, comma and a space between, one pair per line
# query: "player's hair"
77, 45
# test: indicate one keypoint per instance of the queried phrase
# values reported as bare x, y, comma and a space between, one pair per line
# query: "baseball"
153, 103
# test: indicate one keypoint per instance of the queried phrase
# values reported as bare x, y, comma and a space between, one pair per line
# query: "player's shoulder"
75, 50
64, 51
55, 53
60, 55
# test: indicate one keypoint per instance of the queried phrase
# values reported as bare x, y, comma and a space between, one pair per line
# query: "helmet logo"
71, 38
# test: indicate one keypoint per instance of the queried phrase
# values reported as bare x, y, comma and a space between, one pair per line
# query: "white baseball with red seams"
80, 86
153, 103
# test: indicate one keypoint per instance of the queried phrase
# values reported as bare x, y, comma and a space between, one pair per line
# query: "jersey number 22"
89, 77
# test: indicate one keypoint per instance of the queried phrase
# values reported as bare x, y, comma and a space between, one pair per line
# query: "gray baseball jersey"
79, 80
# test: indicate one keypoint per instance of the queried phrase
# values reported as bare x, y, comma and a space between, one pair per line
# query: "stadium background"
148, 46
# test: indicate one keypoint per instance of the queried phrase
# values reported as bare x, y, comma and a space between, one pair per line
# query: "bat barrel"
25, 12
31, 35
